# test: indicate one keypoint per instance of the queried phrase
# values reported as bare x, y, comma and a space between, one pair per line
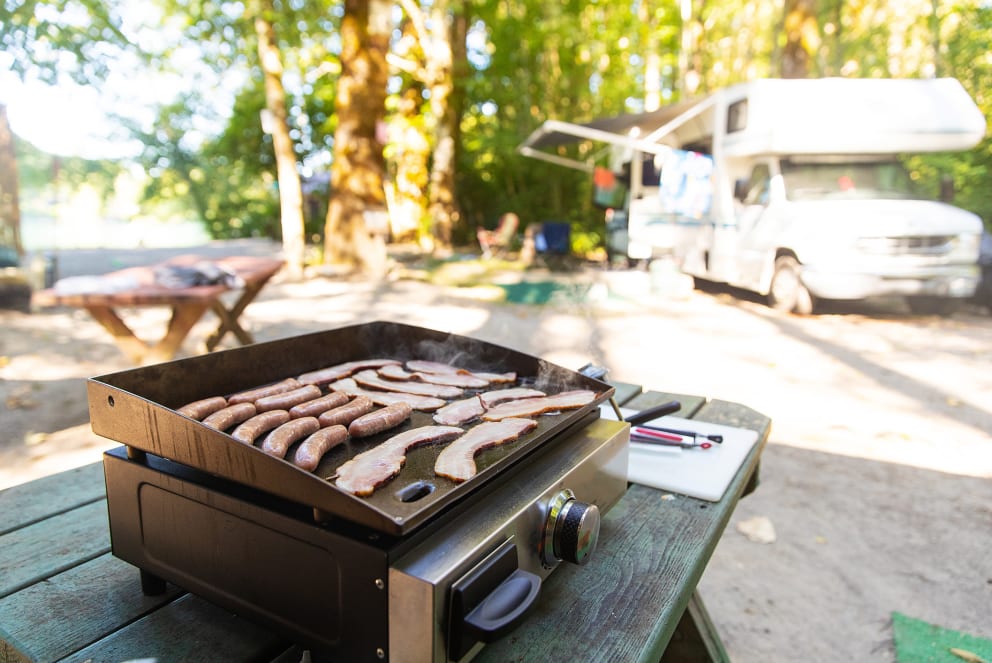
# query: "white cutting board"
701, 473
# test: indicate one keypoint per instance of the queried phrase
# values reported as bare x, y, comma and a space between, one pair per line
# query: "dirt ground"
877, 480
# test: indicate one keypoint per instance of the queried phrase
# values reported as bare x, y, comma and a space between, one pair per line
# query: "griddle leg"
151, 584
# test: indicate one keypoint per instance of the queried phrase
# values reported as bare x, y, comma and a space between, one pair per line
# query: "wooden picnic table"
188, 304
65, 597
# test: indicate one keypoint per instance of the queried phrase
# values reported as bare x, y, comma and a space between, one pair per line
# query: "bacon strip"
338, 371
370, 469
431, 367
350, 387
460, 412
496, 377
457, 460
465, 380
531, 407
370, 378
491, 398
437, 368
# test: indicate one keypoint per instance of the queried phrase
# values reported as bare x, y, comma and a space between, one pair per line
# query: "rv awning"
640, 131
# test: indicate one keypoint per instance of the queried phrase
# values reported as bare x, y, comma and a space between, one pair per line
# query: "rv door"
738, 252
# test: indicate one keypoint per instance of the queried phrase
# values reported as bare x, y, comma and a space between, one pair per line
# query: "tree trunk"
290, 191
412, 164
358, 166
10, 208
800, 32
443, 210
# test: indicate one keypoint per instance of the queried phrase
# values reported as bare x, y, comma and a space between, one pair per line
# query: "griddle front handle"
504, 609
490, 600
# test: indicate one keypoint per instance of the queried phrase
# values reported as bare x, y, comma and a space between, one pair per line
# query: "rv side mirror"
740, 189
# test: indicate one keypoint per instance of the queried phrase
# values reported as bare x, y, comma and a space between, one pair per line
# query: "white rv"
791, 188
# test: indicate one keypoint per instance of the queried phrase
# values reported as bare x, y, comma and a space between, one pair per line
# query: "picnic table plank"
67, 539
89, 601
690, 404
20, 506
188, 629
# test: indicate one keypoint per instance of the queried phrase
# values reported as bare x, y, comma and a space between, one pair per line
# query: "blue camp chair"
553, 243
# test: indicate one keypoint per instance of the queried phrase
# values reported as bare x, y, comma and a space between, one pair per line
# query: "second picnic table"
188, 304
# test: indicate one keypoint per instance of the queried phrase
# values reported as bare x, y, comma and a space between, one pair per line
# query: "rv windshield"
818, 181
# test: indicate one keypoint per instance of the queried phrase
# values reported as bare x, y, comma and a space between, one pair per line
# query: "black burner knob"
574, 529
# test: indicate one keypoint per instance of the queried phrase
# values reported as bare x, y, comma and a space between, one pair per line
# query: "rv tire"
787, 292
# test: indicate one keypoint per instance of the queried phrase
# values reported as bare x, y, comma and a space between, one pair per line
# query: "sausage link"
287, 399
319, 406
203, 408
252, 395
380, 420
347, 413
232, 414
249, 431
312, 449
277, 442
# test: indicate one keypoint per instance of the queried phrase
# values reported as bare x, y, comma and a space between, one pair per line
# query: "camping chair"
553, 243
498, 241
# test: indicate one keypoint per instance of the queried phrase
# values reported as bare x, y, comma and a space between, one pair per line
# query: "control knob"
571, 531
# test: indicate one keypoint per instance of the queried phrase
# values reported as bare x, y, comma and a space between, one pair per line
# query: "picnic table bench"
65, 597
188, 304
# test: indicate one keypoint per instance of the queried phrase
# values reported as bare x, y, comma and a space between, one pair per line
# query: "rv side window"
758, 186
737, 116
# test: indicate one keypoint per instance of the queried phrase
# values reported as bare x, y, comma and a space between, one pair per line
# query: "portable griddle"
425, 569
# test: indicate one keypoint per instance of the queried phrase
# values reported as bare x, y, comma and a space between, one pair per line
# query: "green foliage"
573, 61
75, 39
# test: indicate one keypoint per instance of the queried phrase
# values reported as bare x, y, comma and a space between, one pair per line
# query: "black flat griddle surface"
137, 408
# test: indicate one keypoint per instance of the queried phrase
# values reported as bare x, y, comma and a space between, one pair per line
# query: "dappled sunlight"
565, 340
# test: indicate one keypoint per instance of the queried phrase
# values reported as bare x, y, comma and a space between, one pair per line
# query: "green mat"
919, 642
542, 292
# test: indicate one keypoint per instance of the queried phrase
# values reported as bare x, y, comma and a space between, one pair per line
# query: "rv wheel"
787, 292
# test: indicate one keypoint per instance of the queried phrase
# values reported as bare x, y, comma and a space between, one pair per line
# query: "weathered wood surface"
38, 551
27, 503
87, 603
188, 629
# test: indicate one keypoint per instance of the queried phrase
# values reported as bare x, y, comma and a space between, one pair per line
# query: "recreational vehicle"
794, 189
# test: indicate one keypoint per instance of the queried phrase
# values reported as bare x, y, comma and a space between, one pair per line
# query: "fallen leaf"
21, 400
966, 655
758, 529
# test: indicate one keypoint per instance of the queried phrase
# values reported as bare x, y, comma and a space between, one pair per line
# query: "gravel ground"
877, 480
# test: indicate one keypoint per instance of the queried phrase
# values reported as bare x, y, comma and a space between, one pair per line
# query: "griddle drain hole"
415, 491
